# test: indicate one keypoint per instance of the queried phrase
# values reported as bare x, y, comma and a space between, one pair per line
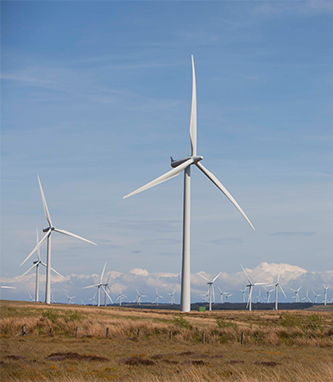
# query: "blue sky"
96, 97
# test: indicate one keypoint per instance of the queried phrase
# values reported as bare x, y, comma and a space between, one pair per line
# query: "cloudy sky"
96, 97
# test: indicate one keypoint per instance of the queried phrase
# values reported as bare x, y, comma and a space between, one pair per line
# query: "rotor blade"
219, 185
168, 175
73, 235
7, 287
213, 293
37, 246
46, 211
216, 277
38, 252
248, 278
204, 277
90, 286
282, 291
220, 289
103, 273
259, 284
193, 122
67, 295
107, 294
35, 265
56, 272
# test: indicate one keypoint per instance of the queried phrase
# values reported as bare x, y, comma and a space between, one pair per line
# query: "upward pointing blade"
46, 211
35, 265
248, 278
73, 235
38, 252
216, 277
37, 246
193, 122
219, 185
103, 273
168, 175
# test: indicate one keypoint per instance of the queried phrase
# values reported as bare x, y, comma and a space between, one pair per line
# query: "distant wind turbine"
157, 297
185, 165
325, 294
211, 288
259, 298
99, 286
222, 294
268, 294
316, 296
138, 297
69, 298
227, 295
49, 231
307, 298
250, 286
296, 297
243, 292
172, 297
278, 286
120, 297
93, 300
36, 265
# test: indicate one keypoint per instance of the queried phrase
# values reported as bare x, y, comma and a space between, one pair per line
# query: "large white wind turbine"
211, 288
185, 165
99, 286
278, 286
250, 286
36, 265
325, 294
316, 296
49, 231
296, 297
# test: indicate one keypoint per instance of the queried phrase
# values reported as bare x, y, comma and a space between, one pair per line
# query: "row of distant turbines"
178, 166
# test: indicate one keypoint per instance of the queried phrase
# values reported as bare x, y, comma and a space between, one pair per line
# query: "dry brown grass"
278, 346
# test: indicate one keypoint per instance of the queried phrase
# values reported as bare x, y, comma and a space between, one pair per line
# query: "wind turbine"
157, 297
222, 293
120, 297
205, 297
49, 231
69, 298
268, 294
211, 288
107, 296
185, 165
172, 295
325, 294
306, 298
93, 301
138, 298
278, 286
83, 303
250, 286
99, 286
227, 295
259, 298
36, 265
316, 296
296, 297
243, 291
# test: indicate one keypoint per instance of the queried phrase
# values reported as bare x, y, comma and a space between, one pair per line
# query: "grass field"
277, 346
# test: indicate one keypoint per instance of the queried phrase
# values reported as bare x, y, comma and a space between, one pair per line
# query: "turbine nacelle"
48, 229
176, 163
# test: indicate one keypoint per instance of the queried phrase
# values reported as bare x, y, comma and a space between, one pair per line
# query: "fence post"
107, 332
23, 331
51, 331
203, 337
242, 338
170, 335
76, 331
138, 335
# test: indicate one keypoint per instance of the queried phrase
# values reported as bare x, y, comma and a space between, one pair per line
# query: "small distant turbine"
268, 294
93, 299
259, 298
244, 292
120, 297
316, 296
36, 265
83, 303
227, 295
99, 286
325, 294
278, 286
69, 298
178, 166
49, 231
138, 297
306, 298
157, 297
296, 297
205, 297
222, 294
250, 286
172, 297
211, 288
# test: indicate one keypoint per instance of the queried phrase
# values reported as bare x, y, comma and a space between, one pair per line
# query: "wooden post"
23, 331
76, 331
170, 335
107, 332
242, 338
203, 337
51, 331
138, 335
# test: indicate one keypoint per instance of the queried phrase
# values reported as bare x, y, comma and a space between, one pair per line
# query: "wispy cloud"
295, 234
227, 241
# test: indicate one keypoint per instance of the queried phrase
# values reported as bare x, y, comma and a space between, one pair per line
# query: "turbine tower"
278, 286
250, 286
185, 165
49, 231
36, 265
325, 294
99, 286
316, 296
296, 297
211, 288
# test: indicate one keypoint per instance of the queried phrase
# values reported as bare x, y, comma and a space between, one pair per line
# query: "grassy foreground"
277, 346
